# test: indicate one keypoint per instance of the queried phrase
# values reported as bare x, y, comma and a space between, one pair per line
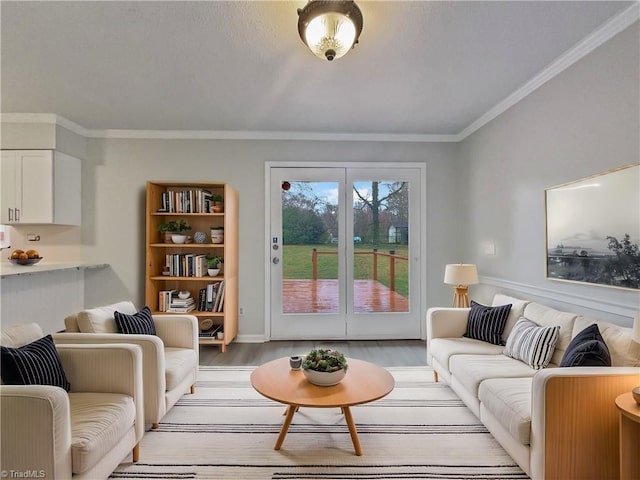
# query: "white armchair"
170, 358
85, 433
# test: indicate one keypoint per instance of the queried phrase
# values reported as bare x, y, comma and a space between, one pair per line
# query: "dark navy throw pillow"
587, 349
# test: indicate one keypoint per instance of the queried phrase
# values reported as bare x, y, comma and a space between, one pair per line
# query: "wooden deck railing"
375, 254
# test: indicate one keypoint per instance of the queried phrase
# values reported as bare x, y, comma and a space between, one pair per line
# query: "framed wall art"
593, 229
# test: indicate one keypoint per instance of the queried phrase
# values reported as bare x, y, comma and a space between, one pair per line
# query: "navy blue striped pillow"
36, 363
140, 323
487, 323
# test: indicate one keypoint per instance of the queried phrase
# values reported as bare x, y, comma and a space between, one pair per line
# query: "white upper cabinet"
40, 187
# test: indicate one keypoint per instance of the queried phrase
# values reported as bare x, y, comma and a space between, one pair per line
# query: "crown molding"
599, 36
267, 135
46, 118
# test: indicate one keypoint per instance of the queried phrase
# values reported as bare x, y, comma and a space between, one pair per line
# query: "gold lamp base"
460, 296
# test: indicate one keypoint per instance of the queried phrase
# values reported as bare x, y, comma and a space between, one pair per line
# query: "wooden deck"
321, 296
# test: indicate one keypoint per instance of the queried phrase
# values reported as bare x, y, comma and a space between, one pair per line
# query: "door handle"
275, 260
17, 214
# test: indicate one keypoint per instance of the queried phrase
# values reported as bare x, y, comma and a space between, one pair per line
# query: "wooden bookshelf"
190, 206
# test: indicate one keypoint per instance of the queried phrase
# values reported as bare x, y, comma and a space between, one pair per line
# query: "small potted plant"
217, 234
166, 229
213, 265
180, 227
324, 367
217, 203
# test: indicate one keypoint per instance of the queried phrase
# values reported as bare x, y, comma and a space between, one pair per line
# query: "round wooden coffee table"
363, 383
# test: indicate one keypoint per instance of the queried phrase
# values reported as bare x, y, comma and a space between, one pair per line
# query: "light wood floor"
387, 353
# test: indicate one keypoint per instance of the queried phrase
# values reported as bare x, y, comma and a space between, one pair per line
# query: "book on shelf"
181, 309
186, 264
186, 201
164, 299
177, 302
213, 297
211, 332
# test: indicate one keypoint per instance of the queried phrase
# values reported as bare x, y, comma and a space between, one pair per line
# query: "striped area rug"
226, 430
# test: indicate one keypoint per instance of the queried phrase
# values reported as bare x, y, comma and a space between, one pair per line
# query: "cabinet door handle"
10, 211
17, 214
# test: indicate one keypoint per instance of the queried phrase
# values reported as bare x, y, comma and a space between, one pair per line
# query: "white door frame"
422, 249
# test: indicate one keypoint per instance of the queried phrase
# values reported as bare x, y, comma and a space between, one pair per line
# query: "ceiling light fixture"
330, 28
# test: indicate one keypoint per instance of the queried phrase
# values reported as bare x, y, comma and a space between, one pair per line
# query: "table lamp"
635, 336
461, 275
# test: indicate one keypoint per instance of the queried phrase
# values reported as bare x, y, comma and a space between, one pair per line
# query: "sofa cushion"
487, 323
19, 335
102, 319
36, 363
98, 423
548, 317
587, 349
178, 363
139, 323
531, 343
509, 401
517, 310
472, 370
443, 348
623, 350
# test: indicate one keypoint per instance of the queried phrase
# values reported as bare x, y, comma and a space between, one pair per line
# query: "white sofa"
81, 434
170, 358
556, 423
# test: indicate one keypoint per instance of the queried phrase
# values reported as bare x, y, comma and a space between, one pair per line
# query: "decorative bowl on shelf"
175, 238
26, 261
184, 294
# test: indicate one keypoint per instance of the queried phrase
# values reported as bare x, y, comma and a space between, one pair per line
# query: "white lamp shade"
636, 328
461, 274
330, 31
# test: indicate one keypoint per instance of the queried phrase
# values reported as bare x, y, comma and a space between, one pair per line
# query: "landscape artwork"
593, 229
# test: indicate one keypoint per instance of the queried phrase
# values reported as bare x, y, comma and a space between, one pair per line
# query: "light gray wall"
583, 122
116, 172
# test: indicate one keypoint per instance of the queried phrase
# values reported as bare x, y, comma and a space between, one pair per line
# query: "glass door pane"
310, 236
380, 246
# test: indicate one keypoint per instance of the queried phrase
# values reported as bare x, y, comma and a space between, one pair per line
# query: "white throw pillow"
532, 344
102, 319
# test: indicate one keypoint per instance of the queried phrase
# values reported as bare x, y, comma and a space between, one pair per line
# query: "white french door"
344, 249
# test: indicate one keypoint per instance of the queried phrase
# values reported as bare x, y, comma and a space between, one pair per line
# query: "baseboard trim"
250, 339
617, 307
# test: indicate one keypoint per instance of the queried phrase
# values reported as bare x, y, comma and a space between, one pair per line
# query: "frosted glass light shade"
330, 35
330, 28
461, 274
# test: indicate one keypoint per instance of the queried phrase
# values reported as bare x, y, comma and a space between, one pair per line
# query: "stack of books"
179, 305
169, 301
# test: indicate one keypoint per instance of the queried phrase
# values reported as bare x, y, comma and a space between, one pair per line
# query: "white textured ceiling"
421, 67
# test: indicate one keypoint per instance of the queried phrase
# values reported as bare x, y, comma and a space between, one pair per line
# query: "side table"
629, 437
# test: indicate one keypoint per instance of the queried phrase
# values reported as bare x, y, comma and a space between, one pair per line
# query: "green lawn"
297, 264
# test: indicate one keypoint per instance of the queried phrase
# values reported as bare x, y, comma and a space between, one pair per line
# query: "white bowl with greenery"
324, 367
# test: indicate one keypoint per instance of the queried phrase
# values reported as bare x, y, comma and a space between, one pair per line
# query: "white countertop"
8, 269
